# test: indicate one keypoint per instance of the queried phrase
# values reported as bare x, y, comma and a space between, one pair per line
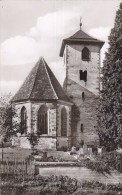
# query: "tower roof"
80, 37
40, 84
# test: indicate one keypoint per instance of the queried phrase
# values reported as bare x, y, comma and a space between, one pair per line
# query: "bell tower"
81, 54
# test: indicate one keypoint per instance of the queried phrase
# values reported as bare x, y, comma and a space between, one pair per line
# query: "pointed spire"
80, 23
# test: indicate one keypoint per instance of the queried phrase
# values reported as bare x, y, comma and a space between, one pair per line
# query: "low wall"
80, 173
46, 143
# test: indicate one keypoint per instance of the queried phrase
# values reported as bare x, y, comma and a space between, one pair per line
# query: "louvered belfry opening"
23, 120
63, 122
85, 54
42, 120
83, 75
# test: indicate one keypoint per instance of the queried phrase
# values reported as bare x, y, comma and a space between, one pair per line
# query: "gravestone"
73, 150
90, 151
85, 149
81, 152
100, 150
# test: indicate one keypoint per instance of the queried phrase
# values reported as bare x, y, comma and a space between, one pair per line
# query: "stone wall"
83, 112
24, 142
84, 109
80, 173
46, 143
18, 106
63, 142
34, 113
54, 124
74, 64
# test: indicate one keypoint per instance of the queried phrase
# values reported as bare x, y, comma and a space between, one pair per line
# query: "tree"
8, 127
33, 138
110, 104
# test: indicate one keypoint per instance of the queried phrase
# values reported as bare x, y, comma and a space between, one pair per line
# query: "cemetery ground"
18, 173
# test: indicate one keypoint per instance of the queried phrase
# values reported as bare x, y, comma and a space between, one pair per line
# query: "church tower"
81, 54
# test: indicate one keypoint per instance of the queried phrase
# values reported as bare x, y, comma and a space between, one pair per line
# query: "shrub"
113, 160
98, 166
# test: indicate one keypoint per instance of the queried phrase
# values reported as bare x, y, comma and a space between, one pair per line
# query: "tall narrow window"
83, 96
82, 127
42, 120
23, 120
63, 122
85, 54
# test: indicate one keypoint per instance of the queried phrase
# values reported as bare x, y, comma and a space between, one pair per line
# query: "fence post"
2, 151
7, 167
26, 167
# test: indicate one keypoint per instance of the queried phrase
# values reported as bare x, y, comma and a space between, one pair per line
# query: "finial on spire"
80, 23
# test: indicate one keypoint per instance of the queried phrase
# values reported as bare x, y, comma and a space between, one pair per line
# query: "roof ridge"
49, 78
34, 79
22, 85
83, 33
84, 88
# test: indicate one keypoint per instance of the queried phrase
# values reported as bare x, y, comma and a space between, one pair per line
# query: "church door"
42, 120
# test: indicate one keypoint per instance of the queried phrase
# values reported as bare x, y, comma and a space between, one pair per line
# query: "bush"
105, 163
60, 185
98, 166
5, 144
113, 160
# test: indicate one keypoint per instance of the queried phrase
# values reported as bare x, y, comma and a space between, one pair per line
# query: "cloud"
59, 70
43, 39
54, 24
102, 34
9, 86
19, 50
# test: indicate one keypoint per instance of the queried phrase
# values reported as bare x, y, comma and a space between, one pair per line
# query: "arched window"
85, 54
42, 120
63, 122
23, 120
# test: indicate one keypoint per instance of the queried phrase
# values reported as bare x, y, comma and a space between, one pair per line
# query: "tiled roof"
40, 84
80, 37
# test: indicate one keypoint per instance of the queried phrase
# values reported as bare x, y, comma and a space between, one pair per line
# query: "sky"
30, 29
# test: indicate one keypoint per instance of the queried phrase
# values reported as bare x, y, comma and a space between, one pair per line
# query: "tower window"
85, 54
83, 75
82, 127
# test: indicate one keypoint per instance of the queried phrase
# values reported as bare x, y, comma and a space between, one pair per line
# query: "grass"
21, 153
15, 153
48, 186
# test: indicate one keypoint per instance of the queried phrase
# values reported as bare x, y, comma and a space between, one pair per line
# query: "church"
62, 117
